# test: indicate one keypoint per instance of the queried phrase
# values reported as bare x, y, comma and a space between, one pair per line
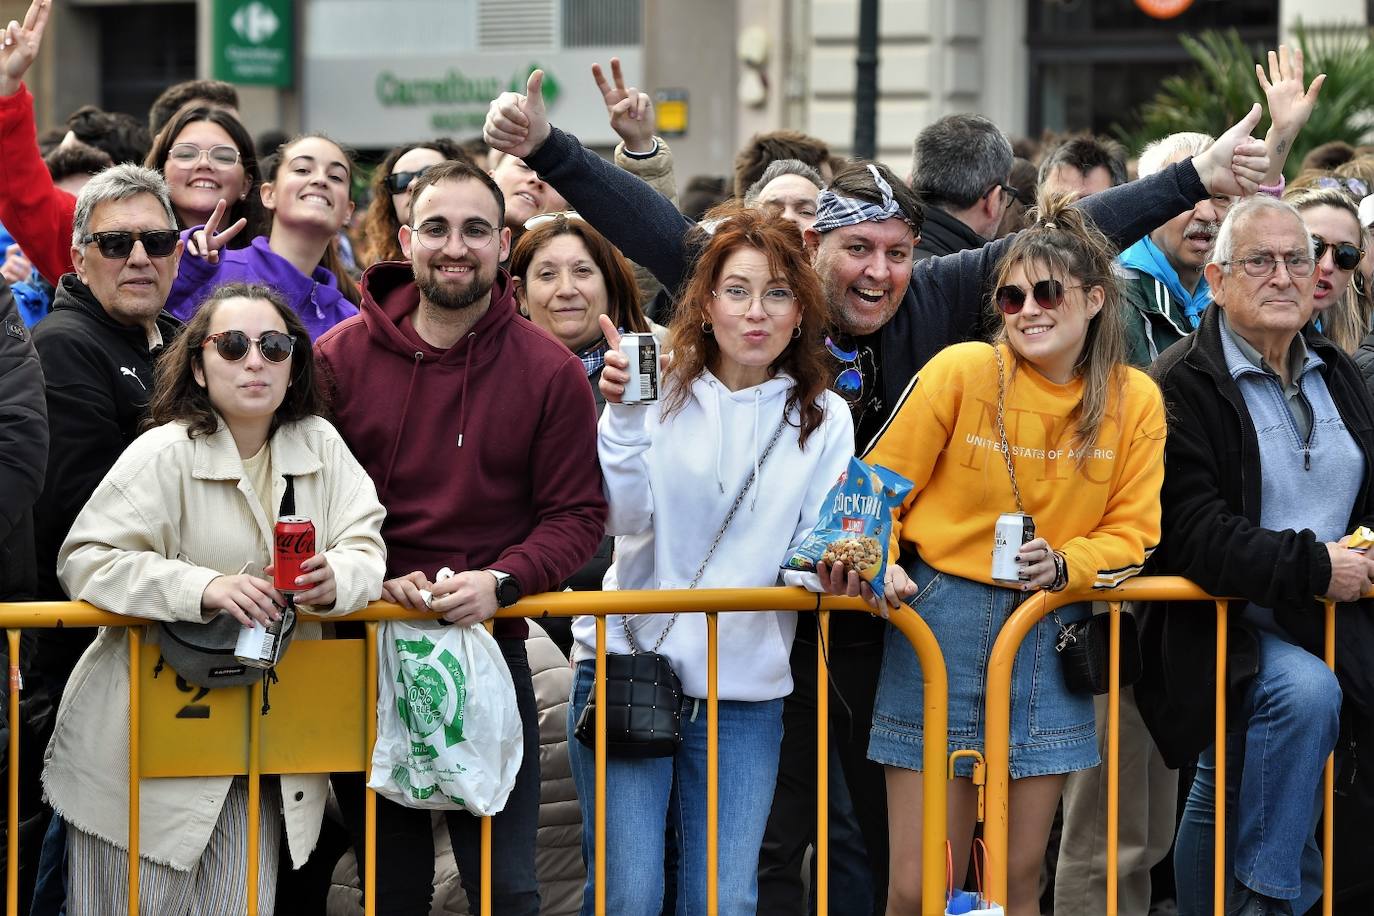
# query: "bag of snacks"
856, 525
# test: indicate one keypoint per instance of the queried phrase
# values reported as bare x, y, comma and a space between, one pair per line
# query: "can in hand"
294, 544
259, 646
641, 350
1013, 529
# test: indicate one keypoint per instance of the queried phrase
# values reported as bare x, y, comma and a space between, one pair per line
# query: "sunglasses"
1345, 255
1352, 186
275, 346
541, 219
1048, 294
849, 384
158, 243
397, 182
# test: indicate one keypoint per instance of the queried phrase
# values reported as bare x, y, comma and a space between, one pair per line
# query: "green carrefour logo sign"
460, 101
253, 41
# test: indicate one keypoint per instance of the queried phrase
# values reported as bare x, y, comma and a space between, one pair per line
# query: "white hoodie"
670, 485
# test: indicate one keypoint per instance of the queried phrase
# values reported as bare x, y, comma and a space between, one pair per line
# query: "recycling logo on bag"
431, 692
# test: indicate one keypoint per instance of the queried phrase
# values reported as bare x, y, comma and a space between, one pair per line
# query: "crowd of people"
1171, 374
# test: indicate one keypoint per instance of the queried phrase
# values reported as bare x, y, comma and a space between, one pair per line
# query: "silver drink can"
1013, 529
260, 646
642, 352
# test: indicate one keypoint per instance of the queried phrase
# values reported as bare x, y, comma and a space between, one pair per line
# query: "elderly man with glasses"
1267, 468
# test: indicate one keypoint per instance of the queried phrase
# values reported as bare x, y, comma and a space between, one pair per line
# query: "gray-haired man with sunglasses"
97, 348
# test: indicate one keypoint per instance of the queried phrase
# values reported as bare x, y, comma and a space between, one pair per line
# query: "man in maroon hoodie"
480, 433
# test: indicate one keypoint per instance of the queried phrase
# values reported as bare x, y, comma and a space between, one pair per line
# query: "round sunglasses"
1048, 294
275, 346
158, 243
849, 383
1345, 255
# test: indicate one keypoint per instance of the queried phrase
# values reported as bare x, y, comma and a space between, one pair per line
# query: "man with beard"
480, 433
890, 318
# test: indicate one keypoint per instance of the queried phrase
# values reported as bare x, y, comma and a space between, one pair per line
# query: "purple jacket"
316, 299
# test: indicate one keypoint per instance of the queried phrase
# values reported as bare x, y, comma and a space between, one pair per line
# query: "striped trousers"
98, 872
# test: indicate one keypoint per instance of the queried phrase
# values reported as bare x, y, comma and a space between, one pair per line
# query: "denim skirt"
1052, 728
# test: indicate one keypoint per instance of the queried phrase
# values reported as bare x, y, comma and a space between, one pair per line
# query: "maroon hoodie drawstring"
400, 430
463, 402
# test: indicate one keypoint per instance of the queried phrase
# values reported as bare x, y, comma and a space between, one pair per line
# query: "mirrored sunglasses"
1048, 294
158, 243
849, 383
275, 346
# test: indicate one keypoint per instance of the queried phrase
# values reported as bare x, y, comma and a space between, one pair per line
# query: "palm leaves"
1222, 87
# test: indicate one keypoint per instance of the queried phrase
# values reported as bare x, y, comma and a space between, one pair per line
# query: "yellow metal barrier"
342, 741
1145, 588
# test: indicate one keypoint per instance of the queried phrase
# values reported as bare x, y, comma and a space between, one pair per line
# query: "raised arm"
638, 220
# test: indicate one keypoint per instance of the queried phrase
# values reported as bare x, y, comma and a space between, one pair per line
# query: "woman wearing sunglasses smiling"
1333, 219
1049, 420
181, 529
308, 196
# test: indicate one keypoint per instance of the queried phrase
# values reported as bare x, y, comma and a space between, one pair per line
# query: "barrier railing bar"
1219, 832
822, 766
599, 686
485, 903
369, 795
1113, 755
254, 792
135, 645
1329, 786
712, 765
12, 840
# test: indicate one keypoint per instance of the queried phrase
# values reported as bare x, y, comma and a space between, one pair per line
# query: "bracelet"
1061, 573
1273, 190
647, 155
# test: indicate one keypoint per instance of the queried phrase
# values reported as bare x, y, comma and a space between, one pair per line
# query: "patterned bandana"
834, 211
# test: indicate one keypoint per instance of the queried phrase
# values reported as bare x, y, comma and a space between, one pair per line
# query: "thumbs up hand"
518, 124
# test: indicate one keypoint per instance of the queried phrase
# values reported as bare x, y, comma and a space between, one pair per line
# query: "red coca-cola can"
295, 543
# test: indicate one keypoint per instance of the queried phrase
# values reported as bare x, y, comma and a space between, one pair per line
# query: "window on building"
144, 49
602, 23
1092, 64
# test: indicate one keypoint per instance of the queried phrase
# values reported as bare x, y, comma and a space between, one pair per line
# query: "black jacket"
1364, 358
1211, 535
943, 234
99, 376
23, 450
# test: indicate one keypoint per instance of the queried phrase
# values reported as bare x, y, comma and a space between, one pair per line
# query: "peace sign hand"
206, 243
631, 111
19, 45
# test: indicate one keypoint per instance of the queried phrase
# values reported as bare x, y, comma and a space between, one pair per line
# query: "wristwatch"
507, 588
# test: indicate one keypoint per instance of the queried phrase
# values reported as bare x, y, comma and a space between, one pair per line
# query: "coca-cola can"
1013, 529
295, 543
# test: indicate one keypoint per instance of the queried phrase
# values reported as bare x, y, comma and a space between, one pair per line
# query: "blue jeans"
642, 796
1284, 728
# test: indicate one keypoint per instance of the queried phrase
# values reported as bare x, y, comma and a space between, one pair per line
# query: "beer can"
1013, 529
294, 544
642, 352
260, 646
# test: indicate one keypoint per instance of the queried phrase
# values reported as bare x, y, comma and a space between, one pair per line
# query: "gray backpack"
202, 654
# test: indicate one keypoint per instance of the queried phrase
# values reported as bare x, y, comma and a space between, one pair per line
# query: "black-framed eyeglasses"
397, 182
435, 236
222, 156
1011, 192
1048, 294
116, 244
275, 346
1264, 265
1344, 255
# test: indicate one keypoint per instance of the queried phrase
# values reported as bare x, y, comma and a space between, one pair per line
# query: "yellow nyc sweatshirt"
1102, 514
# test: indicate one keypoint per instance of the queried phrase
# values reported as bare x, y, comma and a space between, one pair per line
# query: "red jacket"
34, 210
483, 455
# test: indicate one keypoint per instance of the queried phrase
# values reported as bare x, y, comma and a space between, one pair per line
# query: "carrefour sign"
386, 101
253, 42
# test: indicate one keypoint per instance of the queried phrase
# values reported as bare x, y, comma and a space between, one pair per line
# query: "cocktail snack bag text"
857, 523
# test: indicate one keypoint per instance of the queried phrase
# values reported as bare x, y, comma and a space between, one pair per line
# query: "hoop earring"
796, 332
707, 329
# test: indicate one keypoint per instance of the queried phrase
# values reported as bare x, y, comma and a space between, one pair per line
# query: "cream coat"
171, 515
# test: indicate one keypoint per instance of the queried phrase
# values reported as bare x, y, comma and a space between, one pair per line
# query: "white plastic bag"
448, 731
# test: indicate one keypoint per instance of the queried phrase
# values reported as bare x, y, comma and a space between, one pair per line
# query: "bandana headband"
834, 211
